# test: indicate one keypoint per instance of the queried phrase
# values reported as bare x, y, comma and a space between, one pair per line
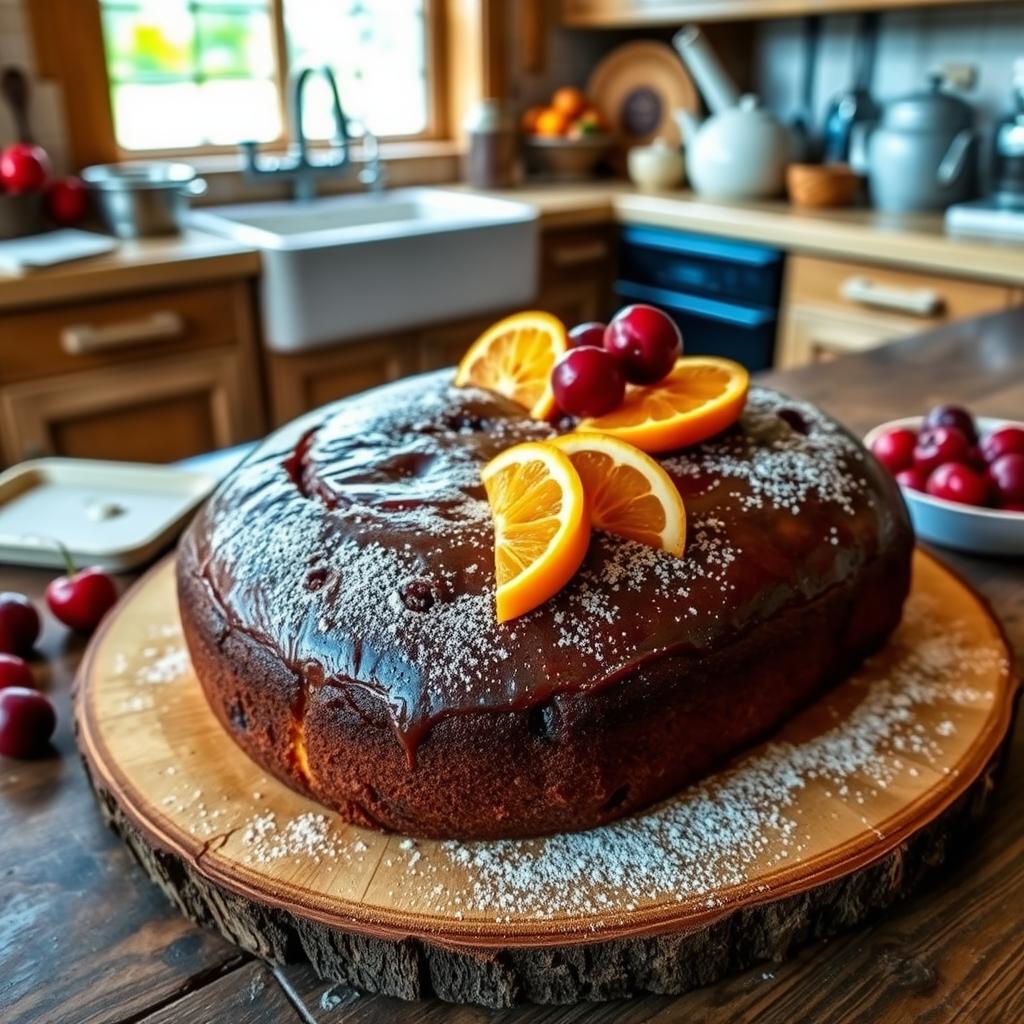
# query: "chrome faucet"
298, 164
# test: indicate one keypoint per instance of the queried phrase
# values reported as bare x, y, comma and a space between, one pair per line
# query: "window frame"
69, 44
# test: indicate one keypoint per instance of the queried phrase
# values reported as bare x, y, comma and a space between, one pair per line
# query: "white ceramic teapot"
742, 150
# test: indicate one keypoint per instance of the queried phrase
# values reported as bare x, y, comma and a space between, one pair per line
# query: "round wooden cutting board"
840, 813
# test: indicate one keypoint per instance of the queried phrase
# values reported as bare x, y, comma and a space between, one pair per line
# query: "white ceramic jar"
656, 167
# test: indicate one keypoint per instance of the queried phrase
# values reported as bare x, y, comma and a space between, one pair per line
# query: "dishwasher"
724, 295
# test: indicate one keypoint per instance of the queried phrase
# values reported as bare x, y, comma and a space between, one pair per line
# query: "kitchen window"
208, 74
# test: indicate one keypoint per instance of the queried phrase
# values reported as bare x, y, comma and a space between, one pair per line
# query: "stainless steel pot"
144, 198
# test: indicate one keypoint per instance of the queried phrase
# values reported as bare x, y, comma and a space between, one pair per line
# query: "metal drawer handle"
83, 339
577, 255
914, 301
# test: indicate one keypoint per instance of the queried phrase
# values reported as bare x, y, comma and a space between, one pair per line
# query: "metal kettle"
922, 154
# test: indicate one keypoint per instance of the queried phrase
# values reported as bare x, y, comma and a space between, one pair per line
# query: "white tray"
116, 515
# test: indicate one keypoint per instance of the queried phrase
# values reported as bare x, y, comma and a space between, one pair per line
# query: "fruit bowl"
968, 528
567, 159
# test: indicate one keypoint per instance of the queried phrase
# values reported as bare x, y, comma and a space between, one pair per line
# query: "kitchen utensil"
805, 141
492, 156
116, 515
50, 248
144, 198
981, 531
856, 105
923, 152
15, 88
566, 159
820, 186
1008, 156
657, 166
741, 150
637, 87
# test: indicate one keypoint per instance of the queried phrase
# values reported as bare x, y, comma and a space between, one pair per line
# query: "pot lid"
930, 111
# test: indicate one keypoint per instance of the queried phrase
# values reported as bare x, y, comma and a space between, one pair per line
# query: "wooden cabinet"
304, 380
590, 13
831, 307
152, 377
577, 273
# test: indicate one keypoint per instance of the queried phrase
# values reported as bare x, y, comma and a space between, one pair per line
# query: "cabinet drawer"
572, 253
861, 289
85, 336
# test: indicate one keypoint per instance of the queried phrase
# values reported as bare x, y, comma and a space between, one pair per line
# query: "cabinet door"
302, 382
153, 411
577, 271
446, 345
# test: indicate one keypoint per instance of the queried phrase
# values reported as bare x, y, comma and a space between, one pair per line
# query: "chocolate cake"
337, 594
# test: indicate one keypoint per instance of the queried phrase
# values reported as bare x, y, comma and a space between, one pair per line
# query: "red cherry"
24, 167
19, 623
81, 600
915, 478
939, 445
1013, 506
1006, 475
646, 342
15, 672
956, 482
895, 449
590, 333
1005, 441
588, 382
27, 721
67, 201
952, 416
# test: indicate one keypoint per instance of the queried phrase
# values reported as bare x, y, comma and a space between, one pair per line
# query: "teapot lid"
933, 110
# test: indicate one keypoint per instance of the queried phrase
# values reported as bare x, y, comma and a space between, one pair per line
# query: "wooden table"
85, 937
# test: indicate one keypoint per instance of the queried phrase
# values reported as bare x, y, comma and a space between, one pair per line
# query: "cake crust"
337, 596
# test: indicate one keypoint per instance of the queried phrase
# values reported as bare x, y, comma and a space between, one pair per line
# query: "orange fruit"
528, 121
541, 528
514, 357
627, 492
551, 122
569, 101
701, 396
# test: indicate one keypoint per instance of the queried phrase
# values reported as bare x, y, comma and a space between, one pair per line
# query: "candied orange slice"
627, 492
541, 527
700, 398
514, 357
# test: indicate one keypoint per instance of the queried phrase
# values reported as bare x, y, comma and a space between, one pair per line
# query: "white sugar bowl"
656, 167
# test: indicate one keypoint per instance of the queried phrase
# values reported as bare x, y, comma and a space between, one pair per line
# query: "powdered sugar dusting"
871, 735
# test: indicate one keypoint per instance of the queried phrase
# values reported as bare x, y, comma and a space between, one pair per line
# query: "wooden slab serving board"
839, 814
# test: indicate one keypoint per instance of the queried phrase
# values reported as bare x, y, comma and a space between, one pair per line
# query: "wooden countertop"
87, 938
918, 241
133, 267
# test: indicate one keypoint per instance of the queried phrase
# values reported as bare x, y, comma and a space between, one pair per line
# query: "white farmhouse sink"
352, 266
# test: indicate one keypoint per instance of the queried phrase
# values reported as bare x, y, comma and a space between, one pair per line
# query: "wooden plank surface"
84, 937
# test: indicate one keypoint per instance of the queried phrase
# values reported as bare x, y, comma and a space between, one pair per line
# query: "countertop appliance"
724, 295
923, 152
1008, 156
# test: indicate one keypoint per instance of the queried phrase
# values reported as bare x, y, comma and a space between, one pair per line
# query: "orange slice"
700, 398
541, 528
628, 493
514, 357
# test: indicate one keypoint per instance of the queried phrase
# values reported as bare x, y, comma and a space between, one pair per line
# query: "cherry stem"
69, 564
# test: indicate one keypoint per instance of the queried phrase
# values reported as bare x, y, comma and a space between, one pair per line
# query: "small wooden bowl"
566, 159
818, 186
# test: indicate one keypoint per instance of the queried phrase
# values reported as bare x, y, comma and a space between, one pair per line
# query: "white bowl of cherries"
962, 477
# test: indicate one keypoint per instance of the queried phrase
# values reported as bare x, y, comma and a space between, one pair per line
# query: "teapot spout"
689, 124
714, 84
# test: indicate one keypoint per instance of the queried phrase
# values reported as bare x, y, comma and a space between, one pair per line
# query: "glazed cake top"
358, 545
